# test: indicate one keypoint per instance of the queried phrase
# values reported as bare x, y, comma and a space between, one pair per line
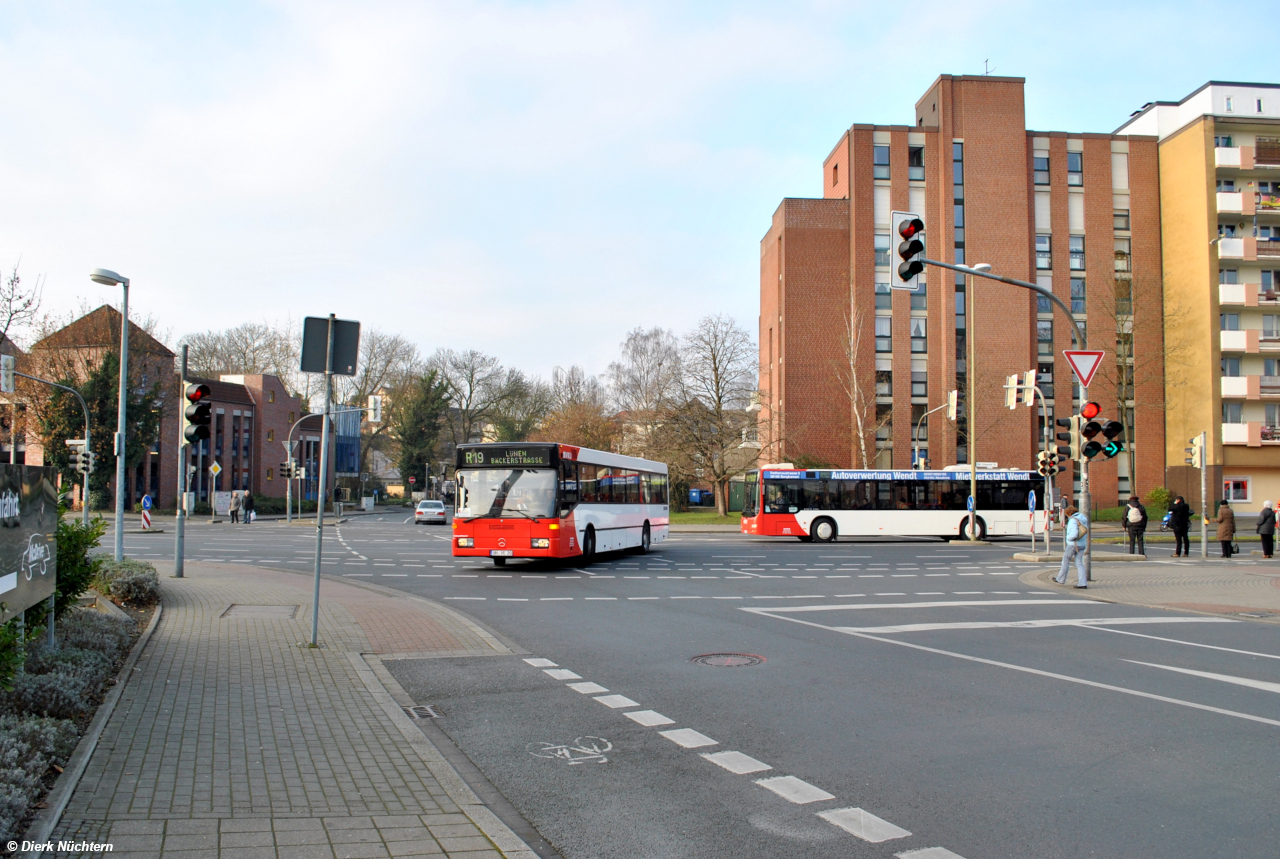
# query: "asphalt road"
913, 696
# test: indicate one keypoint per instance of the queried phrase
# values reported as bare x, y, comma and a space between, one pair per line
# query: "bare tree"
19, 304
476, 387
644, 382
573, 386
248, 349
859, 387
526, 403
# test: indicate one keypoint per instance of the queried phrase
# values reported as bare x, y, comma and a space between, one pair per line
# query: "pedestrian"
1180, 522
1267, 529
1226, 527
1073, 546
235, 507
248, 508
1135, 525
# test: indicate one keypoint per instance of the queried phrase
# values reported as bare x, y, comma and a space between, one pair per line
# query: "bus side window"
588, 486
568, 483
659, 482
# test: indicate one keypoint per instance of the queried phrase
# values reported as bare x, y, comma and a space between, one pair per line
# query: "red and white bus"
540, 500
785, 501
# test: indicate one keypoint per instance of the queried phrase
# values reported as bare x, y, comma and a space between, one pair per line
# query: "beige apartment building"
1219, 156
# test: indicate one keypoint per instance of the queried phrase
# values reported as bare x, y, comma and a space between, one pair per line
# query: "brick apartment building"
1220, 198
1079, 212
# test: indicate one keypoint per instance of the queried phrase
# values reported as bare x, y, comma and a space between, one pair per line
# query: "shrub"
62, 695
110, 570
41, 660
27, 747
141, 587
1159, 498
76, 567
87, 629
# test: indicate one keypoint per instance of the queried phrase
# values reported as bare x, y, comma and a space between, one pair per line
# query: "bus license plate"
500, 553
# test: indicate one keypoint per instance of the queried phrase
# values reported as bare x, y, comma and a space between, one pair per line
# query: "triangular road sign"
1084, 363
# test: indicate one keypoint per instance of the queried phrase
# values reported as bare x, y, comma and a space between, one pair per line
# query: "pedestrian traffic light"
1071, 436
1195, 457
1112, 448
911, 250
197, 415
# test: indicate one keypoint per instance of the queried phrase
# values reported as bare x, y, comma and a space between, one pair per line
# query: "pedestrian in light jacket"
1073, 547
235, 507
1135, 525
1226, 528
1180, 523
1267, 529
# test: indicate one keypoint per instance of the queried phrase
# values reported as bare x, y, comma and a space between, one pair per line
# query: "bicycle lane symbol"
582, 750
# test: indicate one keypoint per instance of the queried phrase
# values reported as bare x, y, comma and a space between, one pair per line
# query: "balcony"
1242, 387
1226, 156
1247, 433
1235, 203
1240, 341
1268, 249
1269, 386
1242, 294
1231, 248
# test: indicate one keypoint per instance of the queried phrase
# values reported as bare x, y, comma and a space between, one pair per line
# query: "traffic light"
86, 462
75, 457
1046, 463
1112, 448
1011, 391
6, 374
1029, 388
1071, 436
910, 250
953, 404
286, 470
1196, 454
375, 409
197, 415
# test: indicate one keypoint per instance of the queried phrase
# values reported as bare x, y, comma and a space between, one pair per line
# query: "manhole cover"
728, 660
261, 612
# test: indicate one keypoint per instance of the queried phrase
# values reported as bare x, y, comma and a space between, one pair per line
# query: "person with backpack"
1073, 547
1226, 528
1135, 525
1266, 529
1180, 523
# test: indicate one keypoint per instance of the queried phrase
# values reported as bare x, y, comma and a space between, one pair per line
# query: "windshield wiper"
521, 512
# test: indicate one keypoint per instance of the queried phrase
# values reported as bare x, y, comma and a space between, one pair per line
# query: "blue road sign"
1031, 501
970, 503
146, 502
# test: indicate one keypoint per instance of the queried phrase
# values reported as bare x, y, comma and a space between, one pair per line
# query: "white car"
430, 511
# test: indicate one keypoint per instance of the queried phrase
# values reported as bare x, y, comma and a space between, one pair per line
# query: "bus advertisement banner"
959, 476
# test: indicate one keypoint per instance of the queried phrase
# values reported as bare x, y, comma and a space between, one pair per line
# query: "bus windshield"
506, 493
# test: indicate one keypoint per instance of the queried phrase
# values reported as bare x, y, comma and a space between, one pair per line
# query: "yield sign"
1084, 363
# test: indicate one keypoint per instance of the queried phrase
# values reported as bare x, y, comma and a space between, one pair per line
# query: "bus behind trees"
538, 500
783, 501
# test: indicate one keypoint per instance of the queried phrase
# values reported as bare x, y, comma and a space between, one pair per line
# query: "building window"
1230, 105
1044, 336
884, 383
1226, 186
884, 296
882, 249
1231, 367
884, 422
271, 396
920, 384
884, 334
1236, 488
1233, 413
1123, 255
1044, 378
835, 175
1040, 167
290, 418
271, 435
1226, 231
919, 298
915, 163
880, 162
1120, 219
1075, 168
1077, 295
1043, 304
270, 474
1228, 275
1257, 103
957, 169
1229, 321
1270, 326
919, 337
1044, 255
1075, 244
1223, 141
1273, 415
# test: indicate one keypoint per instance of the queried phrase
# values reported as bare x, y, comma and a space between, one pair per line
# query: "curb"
57, 799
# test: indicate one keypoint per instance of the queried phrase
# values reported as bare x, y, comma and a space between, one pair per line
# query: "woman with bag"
1266, 529
1226, 528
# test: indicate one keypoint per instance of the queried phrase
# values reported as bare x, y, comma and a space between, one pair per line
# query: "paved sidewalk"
1238, 587
233, 740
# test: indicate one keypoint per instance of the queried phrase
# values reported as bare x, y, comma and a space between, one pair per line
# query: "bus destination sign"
504, 456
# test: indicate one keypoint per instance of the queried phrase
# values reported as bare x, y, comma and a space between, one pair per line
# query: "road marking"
1033, 624
357, 575
649, 718
513, 599
1190, 643
539, 662
554, 599
616, 701
561, 674
863, 824
931, 604
726, 598
680, 598
599, 598
794, 790
928, 853
778, 614
688, 738
1224, 678
736, 762
642, 598
587, 688
466, 598
393, 575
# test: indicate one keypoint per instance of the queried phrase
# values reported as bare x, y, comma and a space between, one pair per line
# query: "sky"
529, 179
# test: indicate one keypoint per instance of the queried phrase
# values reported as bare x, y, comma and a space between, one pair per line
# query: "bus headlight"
466, 542
541, 543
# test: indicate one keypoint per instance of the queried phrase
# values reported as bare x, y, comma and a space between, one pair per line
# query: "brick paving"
1212, 586
234, 740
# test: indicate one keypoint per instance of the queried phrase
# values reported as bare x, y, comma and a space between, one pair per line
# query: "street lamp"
971, 384
107, 277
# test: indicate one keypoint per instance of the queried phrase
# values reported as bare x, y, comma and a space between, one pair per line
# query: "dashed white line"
688, 738
736, 762
794, 790
616, 701
539, 662
863, 824
587, 688
561, 674
649, 718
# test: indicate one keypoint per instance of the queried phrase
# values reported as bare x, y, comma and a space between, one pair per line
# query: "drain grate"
422, 711
728, 660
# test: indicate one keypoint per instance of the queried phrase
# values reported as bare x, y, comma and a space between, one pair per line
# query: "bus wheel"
499, 562
964, 529
589, 545
823, 530
645, 540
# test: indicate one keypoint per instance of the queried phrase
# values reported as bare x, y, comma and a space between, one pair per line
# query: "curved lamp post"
110, 278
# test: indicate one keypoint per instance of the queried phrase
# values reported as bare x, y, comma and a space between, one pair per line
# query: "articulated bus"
555, 501
783, 501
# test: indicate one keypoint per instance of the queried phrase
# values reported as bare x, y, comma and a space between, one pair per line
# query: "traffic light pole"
180, 522
1204, 496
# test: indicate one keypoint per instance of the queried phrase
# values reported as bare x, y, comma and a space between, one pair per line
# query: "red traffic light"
910, 227
1089, 411
197, 393
1090, 429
